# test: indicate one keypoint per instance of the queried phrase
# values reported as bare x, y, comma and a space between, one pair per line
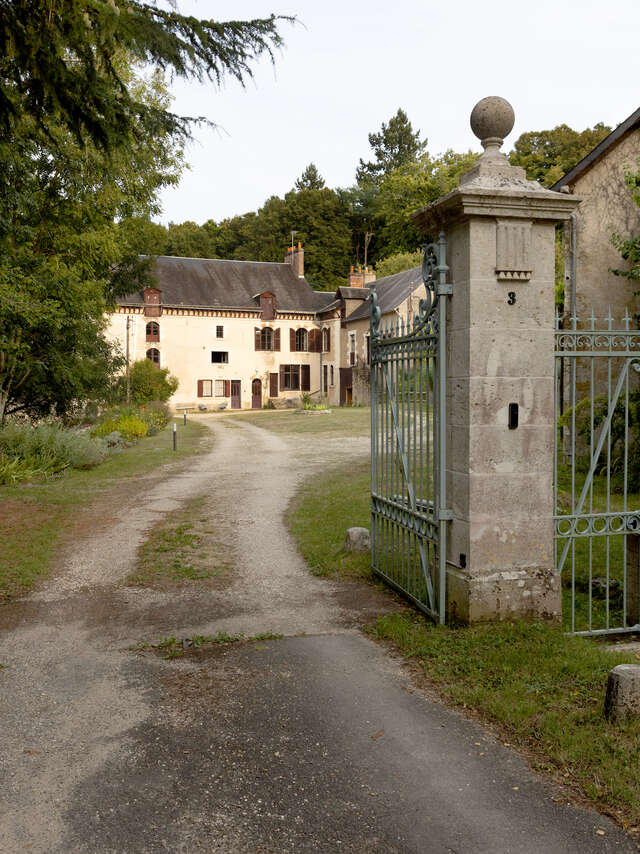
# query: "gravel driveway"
316, 742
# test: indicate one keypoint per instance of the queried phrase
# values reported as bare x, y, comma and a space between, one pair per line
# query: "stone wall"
607, 207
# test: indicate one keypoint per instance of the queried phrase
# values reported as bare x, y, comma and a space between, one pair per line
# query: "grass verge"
182, 547
34, 517
320, 514
342, 421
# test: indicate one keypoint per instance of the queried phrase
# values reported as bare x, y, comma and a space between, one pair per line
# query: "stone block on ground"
357, 540
623, 693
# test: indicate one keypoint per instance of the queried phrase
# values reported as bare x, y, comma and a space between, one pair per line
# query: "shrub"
147, 382
154, 414
130, 426
307, 402
27, 451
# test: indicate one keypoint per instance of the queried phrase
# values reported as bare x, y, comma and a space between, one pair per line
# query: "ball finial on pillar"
492, 119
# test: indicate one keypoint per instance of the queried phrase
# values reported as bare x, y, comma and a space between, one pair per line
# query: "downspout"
574, 253
573, 308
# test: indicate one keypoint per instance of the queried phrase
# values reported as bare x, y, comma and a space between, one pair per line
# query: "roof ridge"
223, 260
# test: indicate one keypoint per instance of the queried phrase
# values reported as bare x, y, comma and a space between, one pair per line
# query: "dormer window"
152, 302
268, 306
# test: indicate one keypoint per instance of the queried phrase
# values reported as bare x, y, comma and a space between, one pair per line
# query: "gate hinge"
445, 515
444, 290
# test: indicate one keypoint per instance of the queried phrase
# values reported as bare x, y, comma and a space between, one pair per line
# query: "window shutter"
227, 388
273, 385
256, 334
305, 379
281, 376
292, 340
328, 339
276, 340
200, 388
311, 339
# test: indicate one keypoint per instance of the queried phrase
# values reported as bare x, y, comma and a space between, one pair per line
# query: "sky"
348, 66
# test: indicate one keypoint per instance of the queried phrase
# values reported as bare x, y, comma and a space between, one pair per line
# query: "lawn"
341, 421
34, 516
542, 690
319, 517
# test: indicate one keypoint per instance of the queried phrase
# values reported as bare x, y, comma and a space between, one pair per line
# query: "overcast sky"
349, 64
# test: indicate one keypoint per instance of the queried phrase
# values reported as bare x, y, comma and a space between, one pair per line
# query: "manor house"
241, 334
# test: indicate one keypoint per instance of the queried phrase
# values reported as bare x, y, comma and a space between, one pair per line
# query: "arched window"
326, 340
266, 338
154, 356
153, 331
301, 340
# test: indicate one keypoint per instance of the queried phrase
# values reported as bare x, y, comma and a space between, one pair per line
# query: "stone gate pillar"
500, 230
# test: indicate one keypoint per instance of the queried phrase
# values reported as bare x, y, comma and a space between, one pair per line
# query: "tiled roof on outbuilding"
391, 291
214, 283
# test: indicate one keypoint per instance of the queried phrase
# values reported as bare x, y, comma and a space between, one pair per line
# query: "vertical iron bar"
442, 414
573, 490
591, 446
624, 499
608, 538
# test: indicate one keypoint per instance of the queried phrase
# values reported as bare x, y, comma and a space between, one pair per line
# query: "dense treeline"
367, 223
87, 140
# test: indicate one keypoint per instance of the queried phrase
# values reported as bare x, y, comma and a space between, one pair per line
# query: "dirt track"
311, 743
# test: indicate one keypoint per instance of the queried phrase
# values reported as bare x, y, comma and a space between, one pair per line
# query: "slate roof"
213, 283
353, 293
627, 125
392, 290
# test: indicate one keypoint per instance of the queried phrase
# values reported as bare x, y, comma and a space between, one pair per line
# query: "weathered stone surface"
492, 117
623, 693
357, 540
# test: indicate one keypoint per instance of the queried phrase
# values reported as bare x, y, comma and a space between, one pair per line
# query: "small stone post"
500, 230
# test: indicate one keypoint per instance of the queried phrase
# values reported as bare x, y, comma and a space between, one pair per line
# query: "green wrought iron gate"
597, 476
408, 442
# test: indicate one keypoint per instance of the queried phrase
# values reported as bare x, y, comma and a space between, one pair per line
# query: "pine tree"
396, 145
310, 179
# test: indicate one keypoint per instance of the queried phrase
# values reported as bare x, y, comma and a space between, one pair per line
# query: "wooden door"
256, 394
346, 383
273, 385
235, 394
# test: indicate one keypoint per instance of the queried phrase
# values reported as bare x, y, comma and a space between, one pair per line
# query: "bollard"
175, 437
184, 415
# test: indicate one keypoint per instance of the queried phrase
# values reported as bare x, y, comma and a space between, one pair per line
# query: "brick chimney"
360, 278
295, 257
